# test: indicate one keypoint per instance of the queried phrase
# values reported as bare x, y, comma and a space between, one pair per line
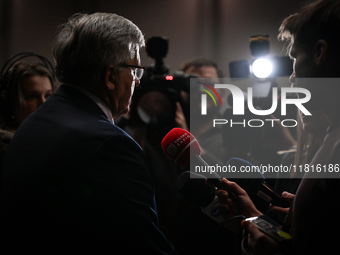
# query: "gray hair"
88, 43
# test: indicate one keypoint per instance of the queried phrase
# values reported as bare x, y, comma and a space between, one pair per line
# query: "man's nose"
137, 82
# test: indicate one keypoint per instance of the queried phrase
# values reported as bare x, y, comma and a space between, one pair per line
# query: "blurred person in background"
24, 87
210, 139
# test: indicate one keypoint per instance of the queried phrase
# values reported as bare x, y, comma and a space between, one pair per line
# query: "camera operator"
211, 141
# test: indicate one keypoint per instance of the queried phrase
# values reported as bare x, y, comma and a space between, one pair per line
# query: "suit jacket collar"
81, 99
95, 99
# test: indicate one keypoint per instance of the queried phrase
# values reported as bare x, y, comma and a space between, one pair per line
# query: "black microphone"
255, 183
192, 186
182, 147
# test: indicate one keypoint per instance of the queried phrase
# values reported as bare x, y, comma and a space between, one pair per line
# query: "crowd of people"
82, 173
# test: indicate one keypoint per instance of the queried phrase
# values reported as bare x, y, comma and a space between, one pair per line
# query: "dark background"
216, 29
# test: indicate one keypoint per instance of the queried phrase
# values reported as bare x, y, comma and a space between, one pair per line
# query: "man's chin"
122, 112
125, 111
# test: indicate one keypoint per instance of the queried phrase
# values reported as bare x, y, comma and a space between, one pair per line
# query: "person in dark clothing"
74, 183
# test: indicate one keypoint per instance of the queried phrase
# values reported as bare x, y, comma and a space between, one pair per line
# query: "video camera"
157, 77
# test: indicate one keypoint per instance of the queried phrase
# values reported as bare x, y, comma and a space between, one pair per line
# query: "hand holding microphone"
182, 147
228, 208
284, 214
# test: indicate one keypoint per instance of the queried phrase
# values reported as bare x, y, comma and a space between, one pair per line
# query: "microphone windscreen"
192, 186
180, 145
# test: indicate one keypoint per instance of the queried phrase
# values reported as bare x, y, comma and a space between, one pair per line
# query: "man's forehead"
134, 53
205, 70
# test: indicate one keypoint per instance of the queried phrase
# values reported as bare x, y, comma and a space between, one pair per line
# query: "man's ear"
320, 52
110, 77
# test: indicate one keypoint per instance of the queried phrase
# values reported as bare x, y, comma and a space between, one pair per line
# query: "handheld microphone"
255, 183
181, 146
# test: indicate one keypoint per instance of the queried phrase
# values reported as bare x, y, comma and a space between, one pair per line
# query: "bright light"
169, 77
262, 68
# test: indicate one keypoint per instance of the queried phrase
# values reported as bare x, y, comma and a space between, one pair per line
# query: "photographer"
211, 140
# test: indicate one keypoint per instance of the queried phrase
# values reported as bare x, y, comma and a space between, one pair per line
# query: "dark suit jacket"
75, 183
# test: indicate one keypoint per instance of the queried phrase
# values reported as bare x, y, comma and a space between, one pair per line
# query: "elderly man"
74, 183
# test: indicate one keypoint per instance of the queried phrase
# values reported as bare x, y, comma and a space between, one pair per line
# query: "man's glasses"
138, 71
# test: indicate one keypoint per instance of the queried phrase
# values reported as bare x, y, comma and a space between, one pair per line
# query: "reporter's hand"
258, 242
228, 208
281, 211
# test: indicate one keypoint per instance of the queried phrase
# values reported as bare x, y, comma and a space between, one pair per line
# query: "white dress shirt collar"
99, 102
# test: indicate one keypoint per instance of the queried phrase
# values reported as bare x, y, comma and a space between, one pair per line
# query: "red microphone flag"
180, 146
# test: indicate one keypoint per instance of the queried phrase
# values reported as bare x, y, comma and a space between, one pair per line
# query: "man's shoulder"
119, 136
117, 139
